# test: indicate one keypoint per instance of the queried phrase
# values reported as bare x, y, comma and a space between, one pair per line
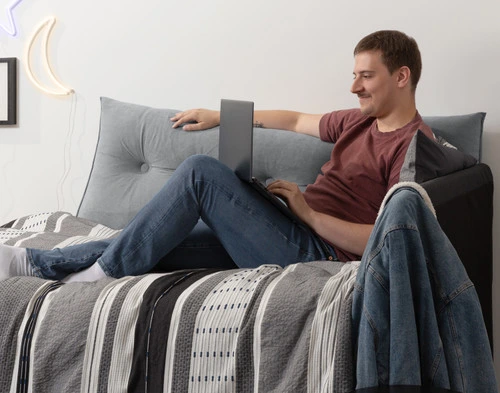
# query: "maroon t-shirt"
365, 163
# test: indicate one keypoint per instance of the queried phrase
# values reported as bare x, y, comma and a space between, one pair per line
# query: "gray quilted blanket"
245, 330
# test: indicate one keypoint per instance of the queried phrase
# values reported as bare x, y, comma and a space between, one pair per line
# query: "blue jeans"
416, 315
252, 231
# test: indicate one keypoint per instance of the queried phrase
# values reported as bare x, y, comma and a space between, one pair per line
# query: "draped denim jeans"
251, 229
416, 315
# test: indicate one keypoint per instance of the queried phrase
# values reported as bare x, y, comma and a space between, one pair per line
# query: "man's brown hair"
398, 50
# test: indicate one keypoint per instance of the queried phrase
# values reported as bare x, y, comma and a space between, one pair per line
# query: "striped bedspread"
245, 330
52, 230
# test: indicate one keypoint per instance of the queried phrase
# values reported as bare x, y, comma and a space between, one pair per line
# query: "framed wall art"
8, 91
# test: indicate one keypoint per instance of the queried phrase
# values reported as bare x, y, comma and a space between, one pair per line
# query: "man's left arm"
348, 236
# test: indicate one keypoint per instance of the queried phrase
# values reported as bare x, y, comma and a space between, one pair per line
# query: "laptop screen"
236, 137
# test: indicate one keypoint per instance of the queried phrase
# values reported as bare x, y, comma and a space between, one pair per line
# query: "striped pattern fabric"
52, 230
267, 329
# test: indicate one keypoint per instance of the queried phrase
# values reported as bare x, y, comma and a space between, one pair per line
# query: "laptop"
236, 149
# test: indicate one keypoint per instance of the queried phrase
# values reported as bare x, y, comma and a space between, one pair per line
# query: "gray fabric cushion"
427, 159
138, 150
463, 131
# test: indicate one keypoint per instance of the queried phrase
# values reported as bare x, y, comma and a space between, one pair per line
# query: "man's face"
375, 87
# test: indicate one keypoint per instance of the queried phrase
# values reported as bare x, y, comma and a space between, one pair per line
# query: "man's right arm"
202, 119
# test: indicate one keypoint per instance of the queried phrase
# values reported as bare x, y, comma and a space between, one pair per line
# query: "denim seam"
198, 245
36, 270
466, 285
359, 287
380, 245
104, 267
456, 346
437, 361
379, 278
373, 327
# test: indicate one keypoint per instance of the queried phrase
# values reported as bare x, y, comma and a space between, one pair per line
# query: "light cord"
68, 143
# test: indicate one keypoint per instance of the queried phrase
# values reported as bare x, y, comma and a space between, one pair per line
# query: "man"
340, 207
385, 85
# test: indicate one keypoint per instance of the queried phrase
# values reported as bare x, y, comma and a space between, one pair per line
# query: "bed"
176, 329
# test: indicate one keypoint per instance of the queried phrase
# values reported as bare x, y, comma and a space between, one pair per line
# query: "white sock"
14, 262
92, 273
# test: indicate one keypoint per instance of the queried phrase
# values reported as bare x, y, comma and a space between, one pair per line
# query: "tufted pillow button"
144, 168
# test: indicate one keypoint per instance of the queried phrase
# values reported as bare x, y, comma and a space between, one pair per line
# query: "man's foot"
92, 273
14, 262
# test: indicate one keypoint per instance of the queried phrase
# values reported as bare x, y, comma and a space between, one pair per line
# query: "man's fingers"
195, 119
181, 118
194, 127
282, 184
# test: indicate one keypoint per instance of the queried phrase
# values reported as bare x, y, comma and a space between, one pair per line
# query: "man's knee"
199, 161
202, 167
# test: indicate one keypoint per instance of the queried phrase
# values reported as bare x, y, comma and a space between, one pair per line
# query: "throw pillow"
427, 159
463, 131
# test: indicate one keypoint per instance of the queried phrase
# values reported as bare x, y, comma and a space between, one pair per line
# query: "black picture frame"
8, 91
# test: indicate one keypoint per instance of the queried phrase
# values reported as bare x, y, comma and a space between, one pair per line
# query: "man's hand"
200, 119
291, 194
346, 235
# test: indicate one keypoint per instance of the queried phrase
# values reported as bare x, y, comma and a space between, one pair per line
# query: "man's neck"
397, 119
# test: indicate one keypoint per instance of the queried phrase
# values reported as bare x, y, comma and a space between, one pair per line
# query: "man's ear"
404, 76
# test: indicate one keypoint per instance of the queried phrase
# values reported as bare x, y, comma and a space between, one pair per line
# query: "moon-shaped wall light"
46, 28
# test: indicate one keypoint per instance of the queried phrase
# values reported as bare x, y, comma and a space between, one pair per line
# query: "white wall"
286, 54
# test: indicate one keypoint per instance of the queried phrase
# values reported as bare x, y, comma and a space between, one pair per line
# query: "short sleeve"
334, 123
